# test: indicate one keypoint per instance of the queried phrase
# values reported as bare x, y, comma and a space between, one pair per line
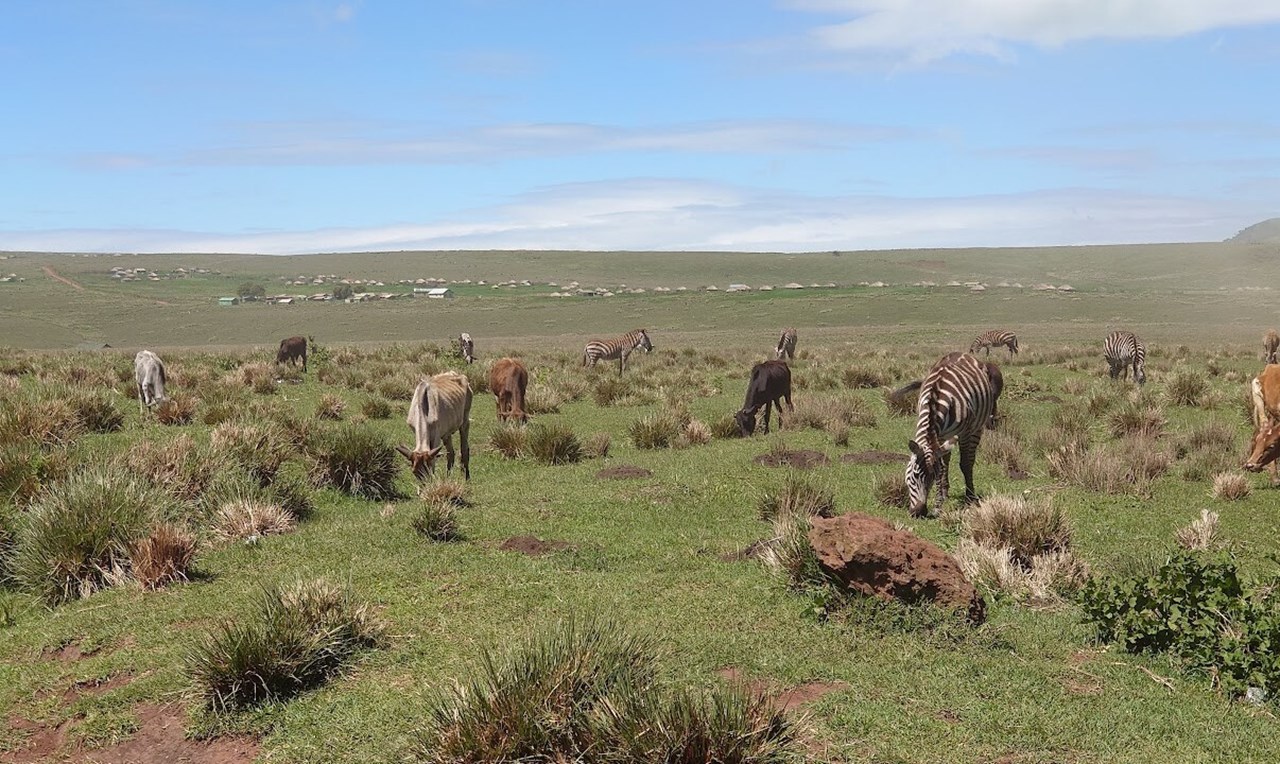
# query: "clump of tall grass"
96, 410
657, 430
163, 556
554, 443
177, 410
899, 405
48, 422
798, 495
1026, 528
355, 459
293, 638
376, 407
26, 468
863, 378
250, 519
76, 537
258, 377
1231, 486
509, 440
725, 427
1047, 582
540, 399
1200, 534
695, 433
1136, 418
832, 412
260, 449
1128, 467
587, 693
1186, 388
597, 445
330, 407
608, 390
890, 489
1004, 446
436, 520
178, 466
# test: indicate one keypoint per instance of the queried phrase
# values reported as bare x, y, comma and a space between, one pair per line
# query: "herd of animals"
955, 401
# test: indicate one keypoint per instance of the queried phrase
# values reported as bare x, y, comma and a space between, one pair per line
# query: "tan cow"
507, 381
1265, 390
441, 406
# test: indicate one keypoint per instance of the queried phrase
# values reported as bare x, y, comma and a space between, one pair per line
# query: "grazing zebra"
618, 347
957, 401
994, 339
786, 345
1122, 350
1270, 343
466, 348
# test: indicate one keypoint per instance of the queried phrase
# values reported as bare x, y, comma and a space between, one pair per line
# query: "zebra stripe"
786, 345
957, 401
996, 338
618, 347
467, 347
1122, 351
1271, 343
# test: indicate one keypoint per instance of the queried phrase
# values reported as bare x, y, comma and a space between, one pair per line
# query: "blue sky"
797, 125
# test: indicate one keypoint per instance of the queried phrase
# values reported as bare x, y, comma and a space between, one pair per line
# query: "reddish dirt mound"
161, 739
874, 457
784, 700
623, 472
532, 546
803, 460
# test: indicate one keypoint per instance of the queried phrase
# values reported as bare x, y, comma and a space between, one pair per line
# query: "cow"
1270, 344
291, 350
1265, 447
466, 348
507, 381
770, 384
148, 371
441, 406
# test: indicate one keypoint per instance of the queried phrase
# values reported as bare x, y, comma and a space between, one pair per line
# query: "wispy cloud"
672, 215
927, 30
277, 144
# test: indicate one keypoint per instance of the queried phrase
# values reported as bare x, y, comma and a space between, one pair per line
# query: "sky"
297, 126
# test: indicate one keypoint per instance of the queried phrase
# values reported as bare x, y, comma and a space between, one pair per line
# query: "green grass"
1029, 685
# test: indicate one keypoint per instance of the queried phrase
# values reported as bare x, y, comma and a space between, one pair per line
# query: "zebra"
1271, 343
1122, 350
996, 338
466, 348
957, 401
786, 345
617, 347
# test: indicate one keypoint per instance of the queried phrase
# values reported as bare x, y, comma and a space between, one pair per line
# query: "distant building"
434, 293
228, 300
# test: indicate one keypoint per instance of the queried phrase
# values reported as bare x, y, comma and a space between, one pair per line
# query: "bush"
96, 410
249, 520
509, 440
26, 468
789, 554
376, 407
163, 557
1134, 418
797, 496
725, 427
356, 460
76, 537
861, 378
899, 405
586, 693
551, 443
609, 390
179, 466
658, 430
540, 399
832, 412
1197, 607
47, 422
292, 639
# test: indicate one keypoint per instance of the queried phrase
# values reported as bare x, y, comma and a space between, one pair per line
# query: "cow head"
923, 470
746, 421
1265, 447
421, 462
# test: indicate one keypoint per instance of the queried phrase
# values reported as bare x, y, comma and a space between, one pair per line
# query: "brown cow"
508, 379
291, 350
1265, 390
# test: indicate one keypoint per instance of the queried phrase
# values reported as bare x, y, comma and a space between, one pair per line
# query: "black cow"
291, 350
770, 382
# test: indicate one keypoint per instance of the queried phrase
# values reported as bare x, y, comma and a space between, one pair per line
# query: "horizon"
792, 127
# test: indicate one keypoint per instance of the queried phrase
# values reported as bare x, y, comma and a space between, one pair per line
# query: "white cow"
148, 370
441, 406
466, 347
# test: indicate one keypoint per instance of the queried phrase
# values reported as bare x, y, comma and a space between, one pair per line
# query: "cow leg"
778, 403
766, 419
464, 437
448, 451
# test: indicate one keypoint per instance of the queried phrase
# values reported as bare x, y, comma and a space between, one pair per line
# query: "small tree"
250, 290
343, 292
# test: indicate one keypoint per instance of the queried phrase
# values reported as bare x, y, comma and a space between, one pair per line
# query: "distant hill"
1266, 232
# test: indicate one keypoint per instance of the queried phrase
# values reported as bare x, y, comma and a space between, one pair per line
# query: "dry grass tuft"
163, 557
509, 440
248, 520
330, 407
1200, 534
799, 495
890, 489
1231, 486
597, 445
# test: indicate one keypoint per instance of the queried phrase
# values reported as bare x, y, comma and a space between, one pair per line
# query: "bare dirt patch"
874, 457
533, 546
95, 687
68, 653
623, 472
51, 273
786, 699
803, 460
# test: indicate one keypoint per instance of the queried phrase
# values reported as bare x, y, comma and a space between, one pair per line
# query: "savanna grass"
554, 443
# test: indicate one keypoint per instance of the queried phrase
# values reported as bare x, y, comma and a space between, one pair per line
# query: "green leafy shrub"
293, 638
1197, 607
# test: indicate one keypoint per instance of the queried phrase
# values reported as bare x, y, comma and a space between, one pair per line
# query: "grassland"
1031, 685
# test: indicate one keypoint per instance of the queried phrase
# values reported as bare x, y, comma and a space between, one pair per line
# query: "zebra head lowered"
924, 468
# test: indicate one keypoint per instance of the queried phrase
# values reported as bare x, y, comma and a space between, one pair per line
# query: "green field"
655, 555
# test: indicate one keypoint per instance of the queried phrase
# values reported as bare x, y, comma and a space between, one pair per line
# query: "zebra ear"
915, 448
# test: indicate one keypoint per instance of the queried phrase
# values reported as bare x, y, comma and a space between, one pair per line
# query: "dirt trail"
51, 273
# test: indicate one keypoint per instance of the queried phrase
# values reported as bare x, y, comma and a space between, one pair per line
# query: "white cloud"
673, 215
927, 30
